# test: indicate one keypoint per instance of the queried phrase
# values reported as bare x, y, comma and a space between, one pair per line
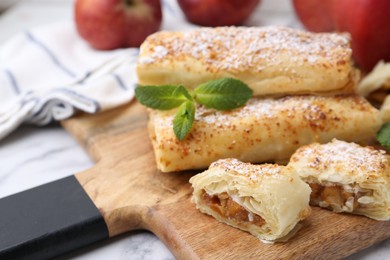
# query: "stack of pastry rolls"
303, 84
304, 92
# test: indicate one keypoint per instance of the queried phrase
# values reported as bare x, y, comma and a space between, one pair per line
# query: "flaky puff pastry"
266, 200
263, 130
346, 177
270, 60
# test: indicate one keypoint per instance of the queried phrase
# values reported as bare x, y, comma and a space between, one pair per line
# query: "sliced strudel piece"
346, 177
263, 130
266, 200
270, 60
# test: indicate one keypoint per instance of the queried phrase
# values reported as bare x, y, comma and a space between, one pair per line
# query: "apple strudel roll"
264, 130
346, 177
271, 60
265, 200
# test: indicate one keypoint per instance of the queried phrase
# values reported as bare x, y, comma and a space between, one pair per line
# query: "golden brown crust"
346, 177
263, 130
252, 172
266, 200
354, 162
271, 60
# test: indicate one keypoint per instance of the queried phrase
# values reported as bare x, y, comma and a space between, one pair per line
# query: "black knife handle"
48, 221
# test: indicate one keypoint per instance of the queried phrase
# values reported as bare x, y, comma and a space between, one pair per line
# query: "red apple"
217, 12
368, 22
111, 24
316, 15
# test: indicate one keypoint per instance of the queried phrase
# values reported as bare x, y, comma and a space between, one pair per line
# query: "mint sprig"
220, 94
383, 136
184, 118
162, 97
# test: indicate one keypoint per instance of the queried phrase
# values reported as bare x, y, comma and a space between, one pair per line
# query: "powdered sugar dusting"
312, 59
265, 109
159, 52
314, 111
268, 108
146, 60
252, 171
345, 158
240, 48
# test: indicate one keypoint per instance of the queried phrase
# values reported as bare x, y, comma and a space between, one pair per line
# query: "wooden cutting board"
132, 194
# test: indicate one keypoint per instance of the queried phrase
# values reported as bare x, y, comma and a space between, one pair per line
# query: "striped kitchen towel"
48, 73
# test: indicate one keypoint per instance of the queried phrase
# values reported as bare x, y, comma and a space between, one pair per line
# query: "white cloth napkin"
50, 72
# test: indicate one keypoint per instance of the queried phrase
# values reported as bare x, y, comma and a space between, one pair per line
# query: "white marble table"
32, 156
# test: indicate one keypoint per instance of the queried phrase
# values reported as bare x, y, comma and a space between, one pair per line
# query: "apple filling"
226, 207
340, 198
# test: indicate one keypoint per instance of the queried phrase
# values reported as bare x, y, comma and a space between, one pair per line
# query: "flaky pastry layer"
271, 60
264, 130
346, 177
266, 200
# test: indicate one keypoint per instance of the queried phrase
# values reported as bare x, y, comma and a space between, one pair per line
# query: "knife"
49, 220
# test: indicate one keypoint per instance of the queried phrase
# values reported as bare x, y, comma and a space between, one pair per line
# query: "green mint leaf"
162, 97
223, 94
184, 118
383, 136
